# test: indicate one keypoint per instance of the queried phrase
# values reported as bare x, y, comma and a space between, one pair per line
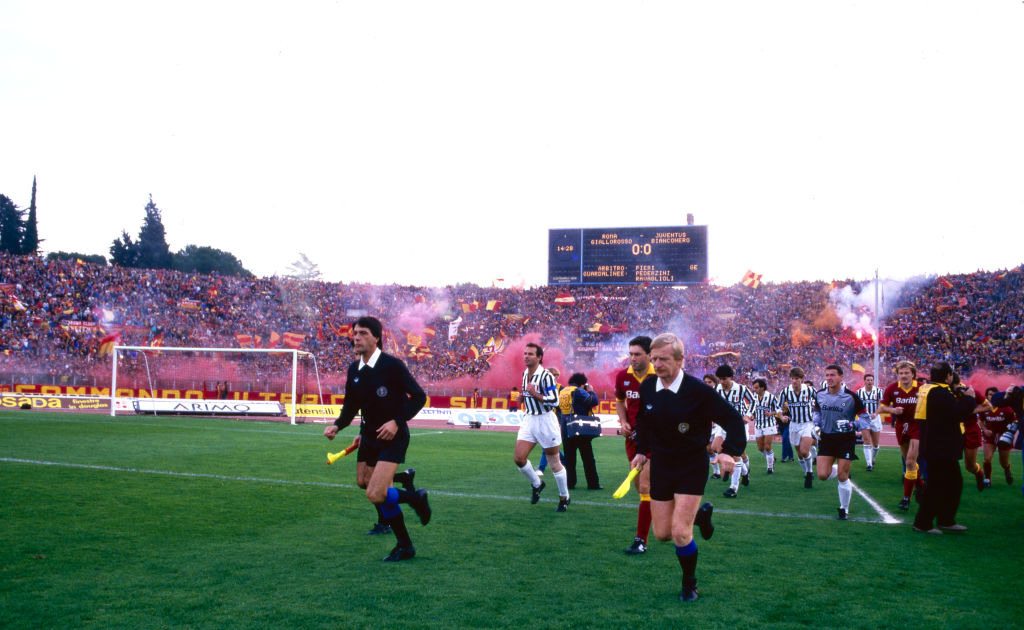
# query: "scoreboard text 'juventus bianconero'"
656, 255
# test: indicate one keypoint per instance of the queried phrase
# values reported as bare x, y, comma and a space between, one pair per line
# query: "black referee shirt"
384, 392
678, 424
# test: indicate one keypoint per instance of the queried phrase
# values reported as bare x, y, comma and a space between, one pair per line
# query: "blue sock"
390, 506
688, 550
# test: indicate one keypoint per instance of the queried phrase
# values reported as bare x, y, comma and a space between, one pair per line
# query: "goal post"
253, 378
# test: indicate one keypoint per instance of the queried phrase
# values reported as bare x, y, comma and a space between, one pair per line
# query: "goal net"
215, 381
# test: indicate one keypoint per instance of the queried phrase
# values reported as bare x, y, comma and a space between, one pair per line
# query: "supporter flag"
107, 344
429, 332
857, 367
1001, 275
719, 289
751, 279
419, 299
274, 340
453, 328
489, 346
189, 305
157, 341
79, 261
474, 352
244, 341
413, 340
493, 305
293, 340
565, 299
946, 283
598, 327
257, 341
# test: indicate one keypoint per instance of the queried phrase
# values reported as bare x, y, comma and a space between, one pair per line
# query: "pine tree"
10, 226
152, 244
124, 252
30, 236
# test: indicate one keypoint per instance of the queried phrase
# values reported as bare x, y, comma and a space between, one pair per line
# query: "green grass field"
138, 522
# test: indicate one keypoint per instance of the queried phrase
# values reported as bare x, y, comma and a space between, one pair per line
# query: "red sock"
643, 520
908, 486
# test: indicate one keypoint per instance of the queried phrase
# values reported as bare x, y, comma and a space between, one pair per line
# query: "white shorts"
876, 423
542, 429
800, 430
772, 430
716, 431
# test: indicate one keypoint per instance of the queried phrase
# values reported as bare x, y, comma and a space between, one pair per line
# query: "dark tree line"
150, 251
19, 235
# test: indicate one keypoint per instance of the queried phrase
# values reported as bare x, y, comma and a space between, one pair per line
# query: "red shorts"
907, 431
972, 435
630, 449
997, 427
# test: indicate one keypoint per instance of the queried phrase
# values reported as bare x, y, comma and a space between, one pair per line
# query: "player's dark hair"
940, 372
796, 372
835, 367
540, 351
991, 390
724, 371
643, 341
867, 374
578, 379
760, 381
374, 326
711, 377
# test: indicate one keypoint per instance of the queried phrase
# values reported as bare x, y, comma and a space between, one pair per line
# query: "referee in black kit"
673, 427
380, 386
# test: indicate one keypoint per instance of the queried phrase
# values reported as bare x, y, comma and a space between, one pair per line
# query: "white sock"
770, 456
745, 462
734, 483
814, 451
530, 474
716, 468
562, 481
874, 454
869, 454
805, 463
834, 473
845, 492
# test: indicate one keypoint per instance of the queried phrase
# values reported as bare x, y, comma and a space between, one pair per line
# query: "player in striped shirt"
871, 396
540, 426
795, 402
766, 407
742, 400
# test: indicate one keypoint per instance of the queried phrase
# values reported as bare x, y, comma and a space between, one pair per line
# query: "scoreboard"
655, 255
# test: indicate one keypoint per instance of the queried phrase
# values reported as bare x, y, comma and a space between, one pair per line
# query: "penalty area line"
444, 493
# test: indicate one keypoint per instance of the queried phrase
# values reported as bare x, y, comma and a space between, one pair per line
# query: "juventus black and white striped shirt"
870, 398
545, 385
797, 404
764, 410
739, 396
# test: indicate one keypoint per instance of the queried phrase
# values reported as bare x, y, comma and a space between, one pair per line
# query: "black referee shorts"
839, 445
372, 450
674, 473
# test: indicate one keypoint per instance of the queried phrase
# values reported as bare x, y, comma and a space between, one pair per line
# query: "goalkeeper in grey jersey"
836, 411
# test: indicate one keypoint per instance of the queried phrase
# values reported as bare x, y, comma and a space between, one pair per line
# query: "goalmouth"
223, 378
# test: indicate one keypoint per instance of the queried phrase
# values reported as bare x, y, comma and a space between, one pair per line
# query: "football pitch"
174, 522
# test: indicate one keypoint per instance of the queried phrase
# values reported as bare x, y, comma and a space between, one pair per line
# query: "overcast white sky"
434, 142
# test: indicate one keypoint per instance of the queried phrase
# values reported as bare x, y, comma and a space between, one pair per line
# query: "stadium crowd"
55, 316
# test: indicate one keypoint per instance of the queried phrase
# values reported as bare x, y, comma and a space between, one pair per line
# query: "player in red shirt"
900, 400
972, 434
627, 404
993, 425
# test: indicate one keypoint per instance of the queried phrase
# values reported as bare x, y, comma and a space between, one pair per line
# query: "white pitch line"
158, 424
887, 518
467, 495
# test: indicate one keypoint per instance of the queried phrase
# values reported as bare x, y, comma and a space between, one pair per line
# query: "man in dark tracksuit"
381, 387
673, 428
942, 445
